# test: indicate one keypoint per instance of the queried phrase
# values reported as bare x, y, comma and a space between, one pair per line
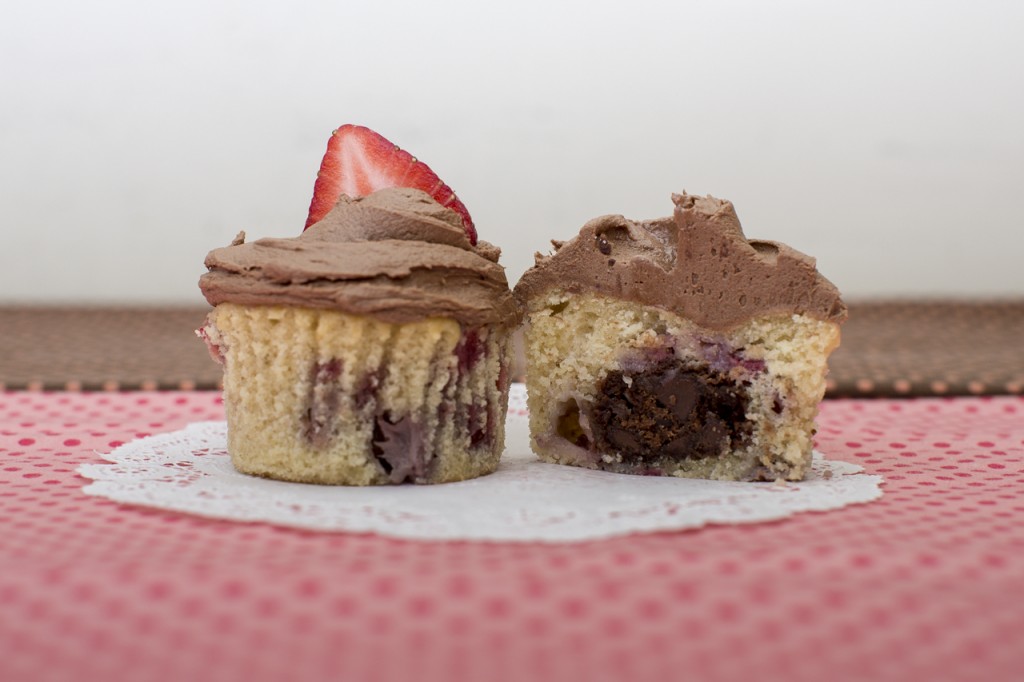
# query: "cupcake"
373, 347
677, 347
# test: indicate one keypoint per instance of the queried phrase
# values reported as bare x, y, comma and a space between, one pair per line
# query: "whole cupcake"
677, 347
374, 347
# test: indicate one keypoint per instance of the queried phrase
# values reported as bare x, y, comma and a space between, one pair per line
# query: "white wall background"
886, 138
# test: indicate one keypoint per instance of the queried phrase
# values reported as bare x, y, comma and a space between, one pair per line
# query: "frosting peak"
395, 213
395, 254
698, 263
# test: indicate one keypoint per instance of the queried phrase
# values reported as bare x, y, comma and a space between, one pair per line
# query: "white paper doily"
524, 500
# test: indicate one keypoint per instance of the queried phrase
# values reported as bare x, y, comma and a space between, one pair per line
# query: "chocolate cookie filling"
671, 410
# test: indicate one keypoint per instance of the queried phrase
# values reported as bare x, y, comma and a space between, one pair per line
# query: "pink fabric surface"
927, 583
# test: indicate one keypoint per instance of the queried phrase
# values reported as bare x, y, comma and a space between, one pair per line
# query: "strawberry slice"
359, 161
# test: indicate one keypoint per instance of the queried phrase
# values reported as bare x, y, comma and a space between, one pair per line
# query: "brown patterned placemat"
929, 348
903, 348
93, 348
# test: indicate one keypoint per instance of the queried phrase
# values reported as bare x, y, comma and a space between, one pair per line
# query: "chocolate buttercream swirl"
395, 254
697, 264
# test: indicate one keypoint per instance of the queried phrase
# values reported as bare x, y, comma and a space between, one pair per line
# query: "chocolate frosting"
697, 264
395, 254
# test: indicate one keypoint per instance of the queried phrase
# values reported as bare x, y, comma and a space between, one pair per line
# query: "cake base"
635, 389
320, 396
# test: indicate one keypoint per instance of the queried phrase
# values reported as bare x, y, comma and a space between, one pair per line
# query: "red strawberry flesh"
359, 161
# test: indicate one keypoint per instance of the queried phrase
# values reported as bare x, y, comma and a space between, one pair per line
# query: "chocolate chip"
400, 448
322, 402
558, 307
603, 245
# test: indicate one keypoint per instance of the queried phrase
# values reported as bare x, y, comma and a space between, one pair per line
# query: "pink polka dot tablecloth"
925, 584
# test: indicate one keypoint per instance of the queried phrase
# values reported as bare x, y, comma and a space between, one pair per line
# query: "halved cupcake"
677, 347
